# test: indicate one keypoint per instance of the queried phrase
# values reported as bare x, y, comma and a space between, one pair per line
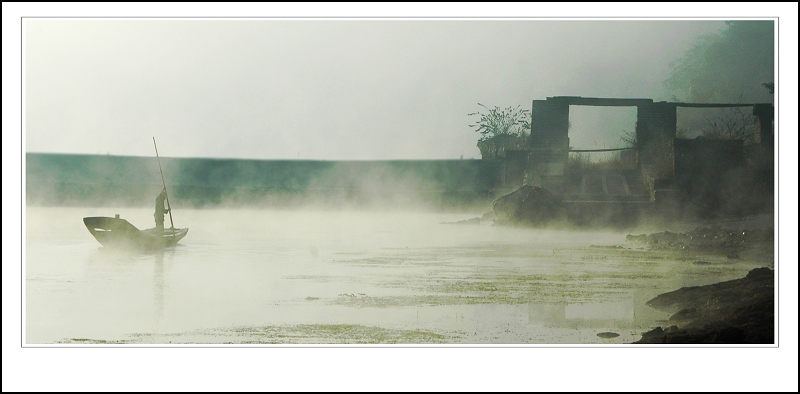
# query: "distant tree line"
735, 65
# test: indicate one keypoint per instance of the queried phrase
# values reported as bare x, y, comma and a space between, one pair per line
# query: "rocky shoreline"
740, 311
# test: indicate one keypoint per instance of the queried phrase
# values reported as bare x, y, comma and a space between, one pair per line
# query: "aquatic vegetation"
286, 334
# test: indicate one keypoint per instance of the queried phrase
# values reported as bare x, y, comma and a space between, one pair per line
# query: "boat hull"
116, 232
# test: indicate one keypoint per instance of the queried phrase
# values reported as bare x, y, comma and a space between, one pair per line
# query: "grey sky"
325, 89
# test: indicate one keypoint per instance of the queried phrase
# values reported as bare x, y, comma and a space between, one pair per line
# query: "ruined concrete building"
697, 171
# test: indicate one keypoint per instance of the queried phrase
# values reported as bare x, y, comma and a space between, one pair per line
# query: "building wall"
547, 165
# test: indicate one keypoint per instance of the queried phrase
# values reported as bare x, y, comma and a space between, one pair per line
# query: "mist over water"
326, 276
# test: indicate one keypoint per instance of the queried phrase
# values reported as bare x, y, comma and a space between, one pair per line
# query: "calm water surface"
327, 277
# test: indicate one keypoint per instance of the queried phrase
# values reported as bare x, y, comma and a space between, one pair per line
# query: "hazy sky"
328, 89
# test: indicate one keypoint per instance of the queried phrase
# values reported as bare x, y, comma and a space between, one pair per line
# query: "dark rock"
637, 238
529, 205
655, 335
761, 274
468, 221
750, 244
671, 330
739, 311
688, 314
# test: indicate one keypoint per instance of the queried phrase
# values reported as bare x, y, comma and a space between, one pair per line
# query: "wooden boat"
116, 232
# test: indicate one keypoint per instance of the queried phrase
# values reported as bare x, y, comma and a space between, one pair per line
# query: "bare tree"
733, 124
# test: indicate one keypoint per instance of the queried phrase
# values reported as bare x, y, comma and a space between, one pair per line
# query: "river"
345, 277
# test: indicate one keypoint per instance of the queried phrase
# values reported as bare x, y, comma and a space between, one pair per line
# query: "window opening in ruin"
598, 128
718, 123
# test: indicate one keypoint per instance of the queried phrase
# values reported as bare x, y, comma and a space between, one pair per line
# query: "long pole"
172, 225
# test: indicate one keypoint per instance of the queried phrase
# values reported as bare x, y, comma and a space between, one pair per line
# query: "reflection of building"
628, 310
583, 314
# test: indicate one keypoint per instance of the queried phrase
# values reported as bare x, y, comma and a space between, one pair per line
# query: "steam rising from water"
253, 276
57, 180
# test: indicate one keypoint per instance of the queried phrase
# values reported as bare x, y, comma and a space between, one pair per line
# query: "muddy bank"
733, 243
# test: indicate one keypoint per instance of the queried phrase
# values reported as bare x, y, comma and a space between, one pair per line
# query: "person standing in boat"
160, 211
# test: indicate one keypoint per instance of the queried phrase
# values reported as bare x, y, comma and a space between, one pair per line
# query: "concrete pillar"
656, 127
765, 114
549, 144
